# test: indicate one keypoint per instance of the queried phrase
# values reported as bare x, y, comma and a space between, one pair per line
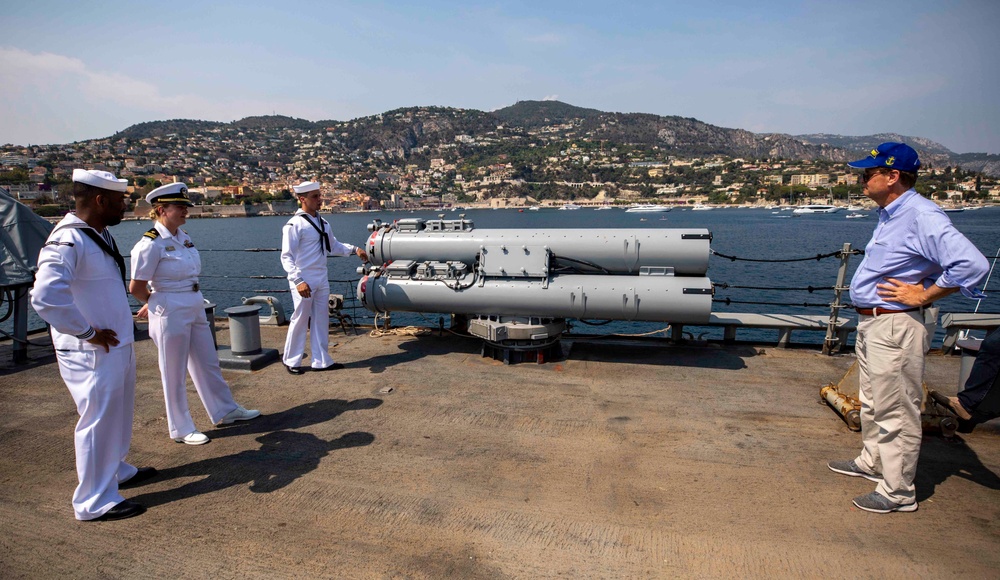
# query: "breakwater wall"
141, 210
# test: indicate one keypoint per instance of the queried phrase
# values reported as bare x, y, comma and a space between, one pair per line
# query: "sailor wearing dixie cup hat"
80, 291
165, 269
306, 241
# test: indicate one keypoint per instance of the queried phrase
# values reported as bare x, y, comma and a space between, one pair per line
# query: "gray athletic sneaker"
877, 503
852, 469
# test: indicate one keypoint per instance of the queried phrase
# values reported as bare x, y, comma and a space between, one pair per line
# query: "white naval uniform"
78, 288
179, 327
303, 256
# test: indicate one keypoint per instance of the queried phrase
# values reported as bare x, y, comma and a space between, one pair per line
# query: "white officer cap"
305, 187
170, 193
101, 179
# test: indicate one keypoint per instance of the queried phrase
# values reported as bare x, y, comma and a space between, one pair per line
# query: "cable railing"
352, 304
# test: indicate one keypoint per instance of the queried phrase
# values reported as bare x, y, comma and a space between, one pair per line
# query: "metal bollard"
244, 329
970, 349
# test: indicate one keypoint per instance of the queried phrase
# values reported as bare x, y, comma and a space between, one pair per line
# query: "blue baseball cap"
899, 156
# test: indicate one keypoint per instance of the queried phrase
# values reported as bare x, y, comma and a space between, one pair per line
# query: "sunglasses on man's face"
868, 175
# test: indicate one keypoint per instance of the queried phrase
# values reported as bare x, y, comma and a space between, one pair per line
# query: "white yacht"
570, 206
648, 208
701, 207
815, 208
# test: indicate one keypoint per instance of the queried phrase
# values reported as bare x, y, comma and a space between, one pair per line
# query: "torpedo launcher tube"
604, 251
604, 274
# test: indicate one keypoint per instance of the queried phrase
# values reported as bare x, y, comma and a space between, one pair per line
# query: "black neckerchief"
324, 238
109, 250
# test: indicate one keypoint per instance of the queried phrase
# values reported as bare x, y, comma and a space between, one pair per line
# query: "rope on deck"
384, 329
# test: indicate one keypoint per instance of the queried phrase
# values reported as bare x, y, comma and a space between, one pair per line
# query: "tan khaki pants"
890, 351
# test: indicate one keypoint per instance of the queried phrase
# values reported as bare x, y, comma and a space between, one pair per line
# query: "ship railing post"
833, 341
20, 306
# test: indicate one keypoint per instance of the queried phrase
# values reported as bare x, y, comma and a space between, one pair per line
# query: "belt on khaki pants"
876, 311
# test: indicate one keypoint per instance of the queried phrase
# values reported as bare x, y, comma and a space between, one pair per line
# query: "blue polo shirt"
916, 243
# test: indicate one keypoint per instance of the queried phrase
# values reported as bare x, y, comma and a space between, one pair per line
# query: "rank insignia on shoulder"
170, 248
152, 234
55, 243
188, 244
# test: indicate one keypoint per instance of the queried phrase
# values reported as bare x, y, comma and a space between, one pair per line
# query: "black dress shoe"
125, 509
294, 370
333, 367
144, 474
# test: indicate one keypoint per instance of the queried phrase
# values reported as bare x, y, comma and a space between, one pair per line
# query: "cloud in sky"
70, 101
550, 98
20, 69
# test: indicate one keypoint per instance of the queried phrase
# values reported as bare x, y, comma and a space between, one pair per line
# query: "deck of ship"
626, 459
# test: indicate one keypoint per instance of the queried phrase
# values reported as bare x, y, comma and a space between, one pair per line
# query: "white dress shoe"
239, 414
194, 438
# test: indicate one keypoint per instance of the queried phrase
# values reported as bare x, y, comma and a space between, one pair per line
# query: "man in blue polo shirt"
915, 256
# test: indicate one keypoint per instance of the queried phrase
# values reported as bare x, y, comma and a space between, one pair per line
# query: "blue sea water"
746, 233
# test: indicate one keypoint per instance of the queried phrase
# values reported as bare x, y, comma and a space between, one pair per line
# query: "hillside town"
421, 158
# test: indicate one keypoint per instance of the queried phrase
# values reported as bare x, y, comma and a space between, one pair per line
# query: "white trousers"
103, 387
183, 339
890, 350
317, 308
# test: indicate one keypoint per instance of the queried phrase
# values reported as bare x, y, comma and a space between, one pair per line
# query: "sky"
77, 70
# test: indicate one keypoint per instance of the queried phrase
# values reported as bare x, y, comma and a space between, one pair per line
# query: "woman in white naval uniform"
306, 241
165, 269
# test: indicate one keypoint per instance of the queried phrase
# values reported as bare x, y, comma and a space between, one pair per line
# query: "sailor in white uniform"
306, 241
165, 269
80, 291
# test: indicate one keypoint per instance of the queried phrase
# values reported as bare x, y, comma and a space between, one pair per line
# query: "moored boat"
815, 208
648, 208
